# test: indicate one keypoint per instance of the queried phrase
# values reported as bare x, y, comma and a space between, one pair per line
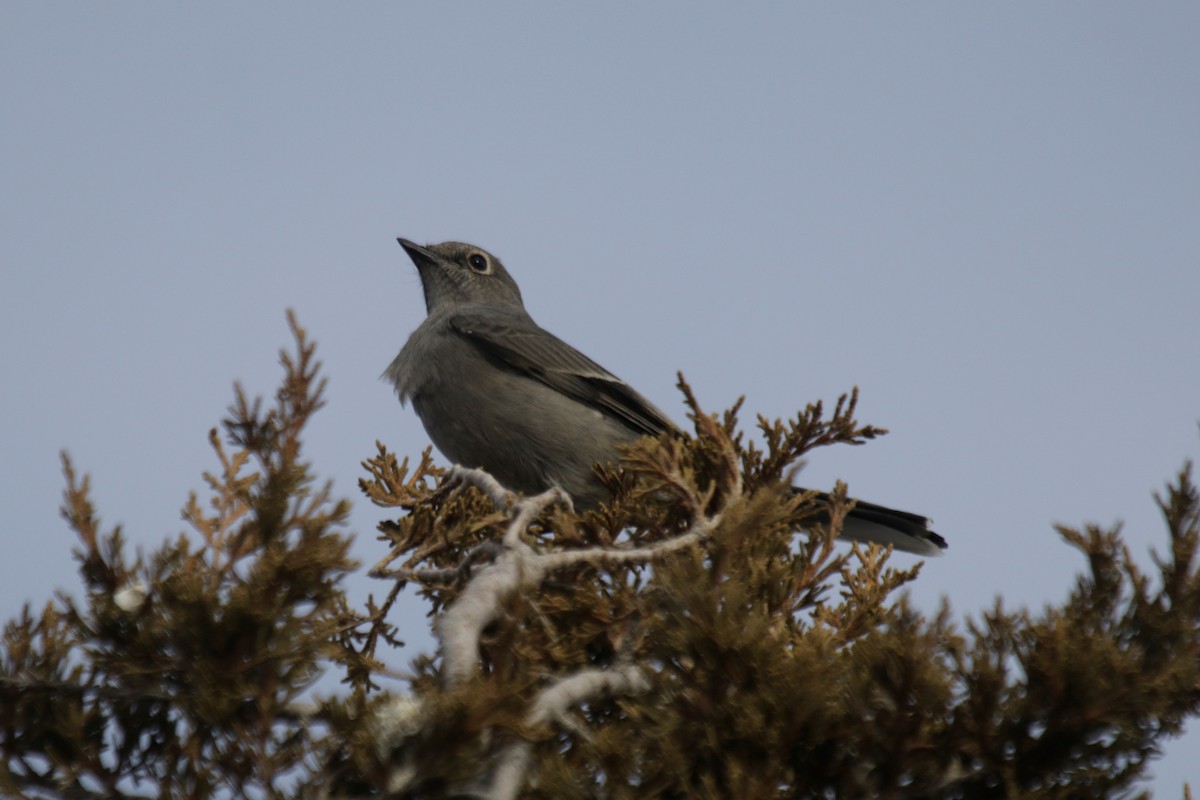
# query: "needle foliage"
702, 636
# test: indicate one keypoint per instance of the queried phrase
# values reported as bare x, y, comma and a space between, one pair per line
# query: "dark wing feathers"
516, 340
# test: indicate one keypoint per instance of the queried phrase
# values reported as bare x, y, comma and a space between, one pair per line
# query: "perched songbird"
496, 391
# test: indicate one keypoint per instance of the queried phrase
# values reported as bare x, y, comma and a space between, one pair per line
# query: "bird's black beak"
418, 254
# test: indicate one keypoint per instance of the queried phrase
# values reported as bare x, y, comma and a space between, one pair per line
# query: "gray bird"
496, 391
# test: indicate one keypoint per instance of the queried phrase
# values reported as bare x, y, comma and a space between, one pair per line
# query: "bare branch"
551, 705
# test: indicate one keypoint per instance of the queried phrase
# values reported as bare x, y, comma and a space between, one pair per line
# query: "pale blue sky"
987, 217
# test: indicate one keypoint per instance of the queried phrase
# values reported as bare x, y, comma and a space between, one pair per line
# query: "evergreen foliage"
682, 642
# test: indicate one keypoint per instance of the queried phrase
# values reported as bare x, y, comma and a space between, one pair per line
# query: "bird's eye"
478, 262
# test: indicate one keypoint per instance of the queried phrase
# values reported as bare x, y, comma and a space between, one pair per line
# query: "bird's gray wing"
515, 340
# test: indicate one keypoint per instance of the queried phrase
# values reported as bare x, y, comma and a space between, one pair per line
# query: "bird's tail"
875, 524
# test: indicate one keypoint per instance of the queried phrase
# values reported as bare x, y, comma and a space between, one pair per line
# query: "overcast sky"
987, 217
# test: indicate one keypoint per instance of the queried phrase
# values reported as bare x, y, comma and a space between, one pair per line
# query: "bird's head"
456, 274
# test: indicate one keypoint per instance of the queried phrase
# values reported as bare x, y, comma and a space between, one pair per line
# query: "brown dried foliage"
769, 663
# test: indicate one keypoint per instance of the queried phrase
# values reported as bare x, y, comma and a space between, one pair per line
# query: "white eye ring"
479, 262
